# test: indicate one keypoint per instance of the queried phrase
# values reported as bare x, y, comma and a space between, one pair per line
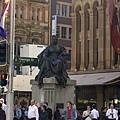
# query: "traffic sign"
26, 60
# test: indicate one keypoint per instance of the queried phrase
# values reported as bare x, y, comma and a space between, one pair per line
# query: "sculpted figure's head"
54, 40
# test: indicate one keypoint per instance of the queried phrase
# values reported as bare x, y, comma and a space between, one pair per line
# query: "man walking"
112, 113
49, 111
95, 113
17, 113
69, 113
33, 111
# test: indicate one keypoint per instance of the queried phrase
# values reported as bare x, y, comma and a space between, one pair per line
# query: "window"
57, 9
87, 21
70, 33
34, 40
64, 10
58, 32
70, 11
32, 14
69, 53
64, 32
21, 12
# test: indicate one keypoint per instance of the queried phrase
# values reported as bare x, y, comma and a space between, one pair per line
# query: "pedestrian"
33, 111
69, 113
26, 114
57, 115
2, 113
95, 113
87, 114
77, 114
49, 111
112, 113
17, 113
103, 114
39, 110
44, 114
4, 106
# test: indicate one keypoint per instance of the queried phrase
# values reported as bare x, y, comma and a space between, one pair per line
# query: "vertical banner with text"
54, 25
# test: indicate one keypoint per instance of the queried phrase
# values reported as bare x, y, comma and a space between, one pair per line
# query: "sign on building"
54, 25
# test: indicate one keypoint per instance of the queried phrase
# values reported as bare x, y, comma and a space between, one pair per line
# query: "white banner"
54, 24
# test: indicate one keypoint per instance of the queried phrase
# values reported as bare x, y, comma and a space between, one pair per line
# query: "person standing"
87, 114
69, 113
2, 113
33, 111
57, 114
77, 114
49, 111
112, 113
44, 114
95, 113
39, 110
17, 113
4, 106
103, 113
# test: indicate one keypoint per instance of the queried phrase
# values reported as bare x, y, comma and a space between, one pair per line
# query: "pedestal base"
53, 93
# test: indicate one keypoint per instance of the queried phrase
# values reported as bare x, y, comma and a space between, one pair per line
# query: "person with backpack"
2, 113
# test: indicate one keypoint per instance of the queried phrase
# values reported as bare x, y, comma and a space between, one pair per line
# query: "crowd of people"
44, 112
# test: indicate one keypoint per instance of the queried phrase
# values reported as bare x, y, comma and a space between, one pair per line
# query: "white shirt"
95, 114
33, 112
115, 114
4, 107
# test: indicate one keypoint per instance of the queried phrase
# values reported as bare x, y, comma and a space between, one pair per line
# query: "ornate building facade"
94, 64
31, 22
91, 46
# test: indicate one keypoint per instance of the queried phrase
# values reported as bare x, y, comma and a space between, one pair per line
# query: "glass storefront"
85, 95
112, 95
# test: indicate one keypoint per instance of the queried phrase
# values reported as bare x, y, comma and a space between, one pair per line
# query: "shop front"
100, 89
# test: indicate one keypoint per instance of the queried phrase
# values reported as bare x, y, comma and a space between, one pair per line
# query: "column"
35, 14
99, 91
73, 59
46, 15
40, 14
101, 40
18, 11
82, 67
107, 39
91, 40
24, 13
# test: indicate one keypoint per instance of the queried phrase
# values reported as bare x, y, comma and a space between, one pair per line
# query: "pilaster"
90, 67
73, 63
101, 41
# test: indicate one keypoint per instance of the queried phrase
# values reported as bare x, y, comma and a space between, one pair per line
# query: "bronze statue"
52, 63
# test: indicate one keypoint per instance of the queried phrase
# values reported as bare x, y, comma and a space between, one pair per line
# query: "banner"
54, 25
114, 27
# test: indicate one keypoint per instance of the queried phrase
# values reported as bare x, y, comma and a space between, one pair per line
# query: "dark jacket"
2, 115
57, 115
44, 115
49, 111
39, 112
103, 116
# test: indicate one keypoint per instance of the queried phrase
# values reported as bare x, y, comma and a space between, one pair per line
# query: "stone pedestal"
53, 93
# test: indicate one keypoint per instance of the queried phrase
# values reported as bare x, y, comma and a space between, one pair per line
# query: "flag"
2, 21
114, 33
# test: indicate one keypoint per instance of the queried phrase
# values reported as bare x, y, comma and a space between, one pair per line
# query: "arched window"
86, 41
87, 17
95, 15
78, 20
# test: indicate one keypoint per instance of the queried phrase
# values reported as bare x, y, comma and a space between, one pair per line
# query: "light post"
10, 78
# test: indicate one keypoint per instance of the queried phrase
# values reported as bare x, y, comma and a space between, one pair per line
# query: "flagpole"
10, 98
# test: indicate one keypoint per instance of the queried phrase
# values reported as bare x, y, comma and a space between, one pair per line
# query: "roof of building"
96, 79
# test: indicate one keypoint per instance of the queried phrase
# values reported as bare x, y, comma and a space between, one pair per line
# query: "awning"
96, 79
